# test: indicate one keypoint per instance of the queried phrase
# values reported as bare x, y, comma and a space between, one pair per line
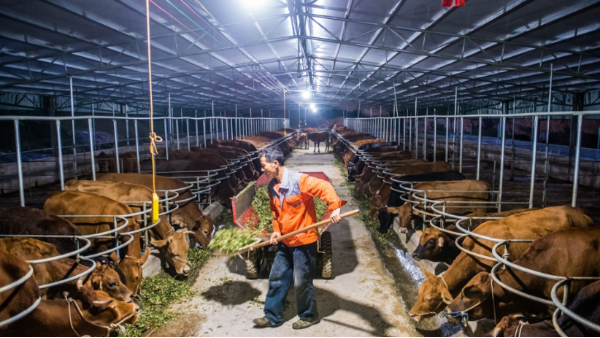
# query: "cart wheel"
252, 266
326, 257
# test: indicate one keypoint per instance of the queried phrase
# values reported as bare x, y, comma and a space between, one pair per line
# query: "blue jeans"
292, 264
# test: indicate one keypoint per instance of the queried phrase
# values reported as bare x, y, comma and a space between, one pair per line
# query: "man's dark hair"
273, 154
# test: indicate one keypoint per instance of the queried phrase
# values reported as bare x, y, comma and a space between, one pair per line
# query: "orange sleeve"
315, 187
276, 225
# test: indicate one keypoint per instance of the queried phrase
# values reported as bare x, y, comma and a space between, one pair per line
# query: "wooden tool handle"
293, 233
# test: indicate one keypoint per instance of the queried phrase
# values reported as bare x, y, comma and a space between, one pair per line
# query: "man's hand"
335, 216
274, 237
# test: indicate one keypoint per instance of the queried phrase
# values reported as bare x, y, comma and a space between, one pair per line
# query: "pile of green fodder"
263, 209
231, 240
158, 292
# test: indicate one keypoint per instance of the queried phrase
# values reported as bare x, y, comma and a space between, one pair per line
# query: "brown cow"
249, 168
586, 305
20, 298
36, 222
303, 140
382, 193
435, 291
317, 138
108, 162
102, 278
188, 215
173, 245
368, 182
81, 203
459, 191
91, 317
438, 246
569, 253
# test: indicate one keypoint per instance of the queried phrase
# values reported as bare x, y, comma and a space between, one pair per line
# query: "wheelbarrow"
244, 216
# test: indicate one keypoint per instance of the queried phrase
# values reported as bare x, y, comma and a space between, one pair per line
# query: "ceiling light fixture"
306, 94
312, 105
314, 110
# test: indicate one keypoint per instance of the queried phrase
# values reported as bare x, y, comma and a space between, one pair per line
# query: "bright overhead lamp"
312, 105
314, 110
306, 94
253, 3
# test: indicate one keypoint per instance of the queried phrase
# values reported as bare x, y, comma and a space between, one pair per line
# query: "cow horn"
102, 303
188, 232
440, 242
498, 332
419, 233
80, 283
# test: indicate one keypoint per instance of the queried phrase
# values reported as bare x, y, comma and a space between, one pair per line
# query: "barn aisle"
361, 300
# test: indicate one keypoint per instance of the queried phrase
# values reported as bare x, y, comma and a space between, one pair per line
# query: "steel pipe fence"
407, 138
14, 285
243, 127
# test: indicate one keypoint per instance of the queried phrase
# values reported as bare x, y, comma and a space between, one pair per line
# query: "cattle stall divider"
15, 285
362, 124
439, 217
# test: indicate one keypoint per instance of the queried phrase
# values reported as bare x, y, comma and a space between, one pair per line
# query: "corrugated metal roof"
236, 52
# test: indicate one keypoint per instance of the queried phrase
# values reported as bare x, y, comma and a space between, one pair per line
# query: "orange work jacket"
293, 207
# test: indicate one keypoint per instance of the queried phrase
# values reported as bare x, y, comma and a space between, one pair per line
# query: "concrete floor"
361, 299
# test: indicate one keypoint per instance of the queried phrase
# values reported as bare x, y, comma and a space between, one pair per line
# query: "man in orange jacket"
291, 194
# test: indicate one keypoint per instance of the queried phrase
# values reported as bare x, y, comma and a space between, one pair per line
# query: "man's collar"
285, 179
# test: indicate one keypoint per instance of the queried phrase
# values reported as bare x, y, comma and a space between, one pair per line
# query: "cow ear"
144, 257
160, 243
427, 273
440, 242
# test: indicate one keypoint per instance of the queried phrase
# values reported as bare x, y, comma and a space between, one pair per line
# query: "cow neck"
459, 273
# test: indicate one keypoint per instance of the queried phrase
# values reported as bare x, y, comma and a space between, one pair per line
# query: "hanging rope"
153, 137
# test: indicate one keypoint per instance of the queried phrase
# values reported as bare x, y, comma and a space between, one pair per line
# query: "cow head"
475, 298
132, 269
174, 248
433, 297
374, 207
203, 230
106, 311
507, 327
432, 243
405, 213
105, 279
386, 219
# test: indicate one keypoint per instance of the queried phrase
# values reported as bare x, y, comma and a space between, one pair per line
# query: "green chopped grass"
159, 292
231, 240
261, 204
363, 206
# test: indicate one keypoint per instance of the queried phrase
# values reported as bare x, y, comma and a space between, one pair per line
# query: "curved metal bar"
557, 327
21, 314
512, 265
515, 291
72, 278
118, 247
568, 311
458, 245
18, 281
100, 216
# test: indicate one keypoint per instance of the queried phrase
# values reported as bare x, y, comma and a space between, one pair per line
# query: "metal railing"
230, 128
401, 129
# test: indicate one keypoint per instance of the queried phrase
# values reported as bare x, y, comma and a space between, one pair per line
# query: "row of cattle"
562, 241
112, 213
